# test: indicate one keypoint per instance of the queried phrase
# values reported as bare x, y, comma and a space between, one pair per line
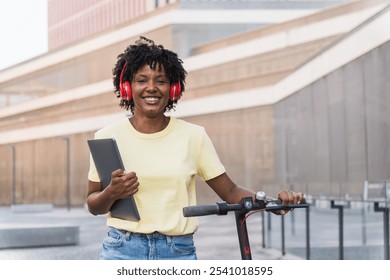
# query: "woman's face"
150, 89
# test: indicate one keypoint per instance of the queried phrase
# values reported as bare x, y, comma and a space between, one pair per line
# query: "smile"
151, 99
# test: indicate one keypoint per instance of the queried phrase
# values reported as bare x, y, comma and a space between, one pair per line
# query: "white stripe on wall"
59, 98
59, 129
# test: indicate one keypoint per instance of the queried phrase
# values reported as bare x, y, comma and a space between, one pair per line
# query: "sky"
23, 30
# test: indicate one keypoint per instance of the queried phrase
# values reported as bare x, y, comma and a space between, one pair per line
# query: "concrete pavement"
216, 238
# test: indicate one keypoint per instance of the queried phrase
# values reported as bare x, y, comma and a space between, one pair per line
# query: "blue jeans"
123, 245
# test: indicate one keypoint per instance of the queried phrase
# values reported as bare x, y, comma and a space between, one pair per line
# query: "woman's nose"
151, 86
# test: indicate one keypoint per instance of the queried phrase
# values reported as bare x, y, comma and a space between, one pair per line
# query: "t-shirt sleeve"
209, 164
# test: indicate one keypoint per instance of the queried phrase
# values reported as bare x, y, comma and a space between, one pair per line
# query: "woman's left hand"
288, 197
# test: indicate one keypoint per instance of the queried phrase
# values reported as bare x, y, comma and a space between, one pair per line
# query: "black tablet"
107, 159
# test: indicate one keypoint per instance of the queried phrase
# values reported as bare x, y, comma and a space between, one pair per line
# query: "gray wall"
334, 134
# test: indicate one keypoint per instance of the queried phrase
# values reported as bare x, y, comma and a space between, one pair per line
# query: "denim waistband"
153, 235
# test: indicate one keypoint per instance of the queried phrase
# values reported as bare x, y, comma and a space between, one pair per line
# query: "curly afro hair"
146, 52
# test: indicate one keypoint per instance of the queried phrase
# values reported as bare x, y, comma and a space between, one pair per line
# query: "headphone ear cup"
175, 92
125, 89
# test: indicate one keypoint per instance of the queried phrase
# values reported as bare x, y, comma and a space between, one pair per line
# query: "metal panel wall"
336, 131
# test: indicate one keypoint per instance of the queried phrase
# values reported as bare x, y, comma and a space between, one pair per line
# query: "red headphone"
126, 94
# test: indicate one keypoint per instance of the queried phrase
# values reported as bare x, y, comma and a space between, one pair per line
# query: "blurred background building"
292, 92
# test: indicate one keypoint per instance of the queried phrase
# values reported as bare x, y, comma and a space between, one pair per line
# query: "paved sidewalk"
216, 238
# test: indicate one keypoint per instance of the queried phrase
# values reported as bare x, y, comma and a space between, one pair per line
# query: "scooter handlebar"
221, 208
201, 210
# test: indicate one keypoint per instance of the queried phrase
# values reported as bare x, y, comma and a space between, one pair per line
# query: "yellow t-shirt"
166, 163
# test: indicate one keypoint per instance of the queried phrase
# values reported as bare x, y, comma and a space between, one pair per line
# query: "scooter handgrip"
302, 201
200, 210
278, 202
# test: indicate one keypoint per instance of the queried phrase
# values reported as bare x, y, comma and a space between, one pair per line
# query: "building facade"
276, 92
71, 20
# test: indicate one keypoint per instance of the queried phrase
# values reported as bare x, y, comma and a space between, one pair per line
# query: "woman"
161, 156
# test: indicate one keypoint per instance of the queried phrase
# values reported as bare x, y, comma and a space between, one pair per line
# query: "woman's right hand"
123, 184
